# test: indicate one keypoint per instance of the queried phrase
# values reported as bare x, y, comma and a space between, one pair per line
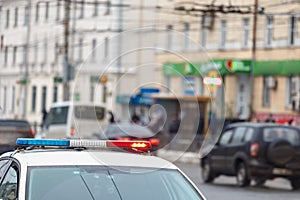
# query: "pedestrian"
174, 125
270, 119
44, 118
112, 117
135, 118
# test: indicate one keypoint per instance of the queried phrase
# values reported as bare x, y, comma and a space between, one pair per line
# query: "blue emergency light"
42, 142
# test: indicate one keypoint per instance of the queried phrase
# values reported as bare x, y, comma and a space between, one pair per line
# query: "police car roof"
60, 157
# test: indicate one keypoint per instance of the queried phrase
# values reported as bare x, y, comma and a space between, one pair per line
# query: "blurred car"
68, 169
255, 151
10, 130
128, 131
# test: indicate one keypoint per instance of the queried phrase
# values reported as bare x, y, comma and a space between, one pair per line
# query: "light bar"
139, 145
42, 142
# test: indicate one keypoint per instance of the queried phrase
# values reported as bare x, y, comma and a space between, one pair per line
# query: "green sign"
23, 81
223, 66
228, 66
175, 69
283, 68
94, 79
77, 97
57, 79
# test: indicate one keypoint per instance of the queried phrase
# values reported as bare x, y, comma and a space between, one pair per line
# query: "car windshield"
274, 133
96, 182
127, 130
58, 115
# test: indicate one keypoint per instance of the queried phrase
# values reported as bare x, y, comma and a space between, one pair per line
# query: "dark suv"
254, 151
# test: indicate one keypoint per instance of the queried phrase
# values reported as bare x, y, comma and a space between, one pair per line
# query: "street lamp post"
253, 55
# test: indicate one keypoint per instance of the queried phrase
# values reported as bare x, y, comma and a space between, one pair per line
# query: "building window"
58, 7
106, 47
12, 100
201, 86
203, 36
55, 52
94, 49
223, 34
245, 32
96, 8
45, 51
186, 35
44, 98
169, 36
1, 16
33, 99
26, 15
37, 10
289, 91
270, 21
7, 19
108, 5
3, 101
24, 53
16, 17
80, 49
266, 92
14, 55
47, 11
5, 55
36, 52
189, 85
167, 84
81, 14
55, 94
92, 92
292, 30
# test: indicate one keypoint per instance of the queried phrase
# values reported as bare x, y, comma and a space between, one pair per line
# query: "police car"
46, 169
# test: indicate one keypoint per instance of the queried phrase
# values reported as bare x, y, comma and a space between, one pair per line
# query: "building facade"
224, 36
95, 46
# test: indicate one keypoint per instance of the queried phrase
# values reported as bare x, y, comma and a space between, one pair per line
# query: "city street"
225, 187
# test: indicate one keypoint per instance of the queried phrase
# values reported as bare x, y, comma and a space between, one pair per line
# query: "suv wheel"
206, 172
242, 175
295, 183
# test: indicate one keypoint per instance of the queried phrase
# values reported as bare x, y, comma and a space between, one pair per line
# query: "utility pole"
253, 54
66, 67
24, 92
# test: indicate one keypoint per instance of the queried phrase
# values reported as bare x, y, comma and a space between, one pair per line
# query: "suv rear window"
273, 133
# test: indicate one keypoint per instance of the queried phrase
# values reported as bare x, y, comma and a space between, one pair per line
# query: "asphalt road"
224, 188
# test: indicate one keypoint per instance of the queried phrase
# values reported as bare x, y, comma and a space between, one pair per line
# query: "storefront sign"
223, 66
213, 80
234, 66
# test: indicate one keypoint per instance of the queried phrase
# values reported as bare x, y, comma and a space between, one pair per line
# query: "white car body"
63, 157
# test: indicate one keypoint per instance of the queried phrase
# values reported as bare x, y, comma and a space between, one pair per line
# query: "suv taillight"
254, 149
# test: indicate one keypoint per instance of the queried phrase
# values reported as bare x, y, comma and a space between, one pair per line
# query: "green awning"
280, 68
227, 66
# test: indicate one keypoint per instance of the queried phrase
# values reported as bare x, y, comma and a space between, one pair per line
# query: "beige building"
224, 37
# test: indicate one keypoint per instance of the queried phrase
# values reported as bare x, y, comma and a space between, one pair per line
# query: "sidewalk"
178, 156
